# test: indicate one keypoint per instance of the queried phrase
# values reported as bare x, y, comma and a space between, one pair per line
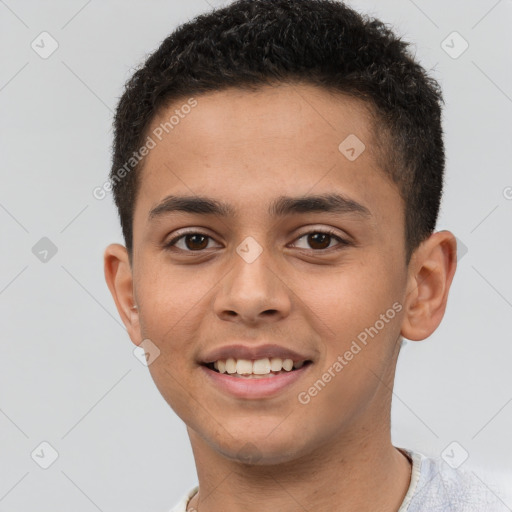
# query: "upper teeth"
257, 367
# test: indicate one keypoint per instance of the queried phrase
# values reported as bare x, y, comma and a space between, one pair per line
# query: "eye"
193, 242
320, 240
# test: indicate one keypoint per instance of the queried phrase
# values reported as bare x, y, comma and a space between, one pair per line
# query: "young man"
278, 169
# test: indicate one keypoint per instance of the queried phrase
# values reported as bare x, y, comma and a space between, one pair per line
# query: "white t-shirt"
435, 487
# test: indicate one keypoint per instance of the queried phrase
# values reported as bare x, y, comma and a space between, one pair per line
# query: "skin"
247, 148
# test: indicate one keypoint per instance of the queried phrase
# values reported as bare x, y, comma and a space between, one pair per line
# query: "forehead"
249, 146
290, 114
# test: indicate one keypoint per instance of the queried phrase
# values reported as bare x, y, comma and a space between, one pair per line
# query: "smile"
244, 381
259, 368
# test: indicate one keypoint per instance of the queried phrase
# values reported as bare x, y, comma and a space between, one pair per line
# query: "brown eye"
196, 241
319, 240
189, 242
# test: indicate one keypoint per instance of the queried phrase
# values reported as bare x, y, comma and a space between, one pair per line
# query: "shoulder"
438, 487
182, 505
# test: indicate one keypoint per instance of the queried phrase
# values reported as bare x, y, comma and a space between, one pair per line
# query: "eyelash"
342, 243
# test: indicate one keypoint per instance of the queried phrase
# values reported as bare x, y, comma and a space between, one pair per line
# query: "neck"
359, 472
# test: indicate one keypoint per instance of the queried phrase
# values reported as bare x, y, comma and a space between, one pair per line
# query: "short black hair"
251, 43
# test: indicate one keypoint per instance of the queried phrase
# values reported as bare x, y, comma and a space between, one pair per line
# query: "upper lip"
238, 351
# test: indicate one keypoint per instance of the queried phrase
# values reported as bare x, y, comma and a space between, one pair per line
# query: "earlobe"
432, 268
119, 279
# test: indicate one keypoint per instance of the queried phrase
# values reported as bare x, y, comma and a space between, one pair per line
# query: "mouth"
256, 369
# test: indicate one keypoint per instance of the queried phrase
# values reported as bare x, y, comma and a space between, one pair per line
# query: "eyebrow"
280, 207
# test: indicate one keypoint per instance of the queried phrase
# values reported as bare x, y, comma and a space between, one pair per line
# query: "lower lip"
262, 387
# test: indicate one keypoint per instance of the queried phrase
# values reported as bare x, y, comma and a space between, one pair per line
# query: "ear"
118, 275
431, 272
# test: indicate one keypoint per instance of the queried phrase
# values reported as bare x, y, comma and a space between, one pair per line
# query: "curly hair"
251, 43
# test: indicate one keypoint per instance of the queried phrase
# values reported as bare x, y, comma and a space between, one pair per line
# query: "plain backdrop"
68, 375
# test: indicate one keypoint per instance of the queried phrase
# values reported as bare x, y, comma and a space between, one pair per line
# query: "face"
263, 270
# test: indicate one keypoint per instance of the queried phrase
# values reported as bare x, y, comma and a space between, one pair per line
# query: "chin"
261, 450
252, 455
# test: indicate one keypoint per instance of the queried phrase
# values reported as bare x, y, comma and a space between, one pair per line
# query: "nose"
253, 292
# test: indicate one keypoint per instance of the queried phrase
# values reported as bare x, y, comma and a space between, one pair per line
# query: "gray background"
68, 375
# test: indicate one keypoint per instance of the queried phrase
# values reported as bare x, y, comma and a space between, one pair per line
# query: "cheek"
171, 301
179, 389
351, 297
171, 304
174, 304
357, 315
358, 348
